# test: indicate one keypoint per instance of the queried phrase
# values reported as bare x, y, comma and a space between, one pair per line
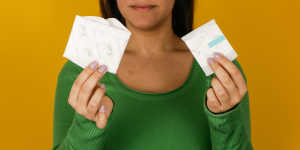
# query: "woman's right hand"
87, 95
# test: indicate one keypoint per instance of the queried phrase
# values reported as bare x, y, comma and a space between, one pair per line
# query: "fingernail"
94, 64
217, 55
210, 60
102, 85
102, 68
102, 109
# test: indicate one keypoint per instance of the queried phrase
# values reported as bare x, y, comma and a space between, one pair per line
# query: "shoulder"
69, 70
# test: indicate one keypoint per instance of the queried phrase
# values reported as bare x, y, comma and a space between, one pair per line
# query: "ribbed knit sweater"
175, 120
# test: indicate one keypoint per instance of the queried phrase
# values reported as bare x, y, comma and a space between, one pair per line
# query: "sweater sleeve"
231, 130
71, 131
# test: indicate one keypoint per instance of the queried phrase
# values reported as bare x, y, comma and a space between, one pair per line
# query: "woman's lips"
142, 7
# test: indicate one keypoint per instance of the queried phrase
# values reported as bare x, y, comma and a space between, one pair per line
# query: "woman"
160, 97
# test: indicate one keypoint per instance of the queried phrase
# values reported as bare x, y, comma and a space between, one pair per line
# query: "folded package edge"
117, 29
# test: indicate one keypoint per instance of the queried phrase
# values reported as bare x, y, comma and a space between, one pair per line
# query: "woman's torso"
157, 106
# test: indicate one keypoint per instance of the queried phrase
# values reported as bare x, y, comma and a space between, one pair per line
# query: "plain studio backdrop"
265, 34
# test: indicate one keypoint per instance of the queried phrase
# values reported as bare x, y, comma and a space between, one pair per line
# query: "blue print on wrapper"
216, 41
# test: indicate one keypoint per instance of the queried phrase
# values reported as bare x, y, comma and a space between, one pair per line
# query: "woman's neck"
152, 41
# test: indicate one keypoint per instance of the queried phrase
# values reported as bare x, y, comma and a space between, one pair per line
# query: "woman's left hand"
228, 88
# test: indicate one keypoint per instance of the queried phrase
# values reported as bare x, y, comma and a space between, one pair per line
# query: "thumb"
101, 118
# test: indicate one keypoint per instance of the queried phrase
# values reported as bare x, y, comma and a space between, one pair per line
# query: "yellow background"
265, 34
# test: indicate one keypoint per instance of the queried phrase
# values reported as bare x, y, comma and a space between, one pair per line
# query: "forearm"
82, 134
231, 130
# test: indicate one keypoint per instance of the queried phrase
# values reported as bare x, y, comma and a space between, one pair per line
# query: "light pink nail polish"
217, 55
102, 68
93, 64
102, 85
210, 60
102, 109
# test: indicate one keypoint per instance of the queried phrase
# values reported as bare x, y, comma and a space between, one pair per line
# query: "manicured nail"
102, 68
94, 64
102, 85
102, 109
210, 60
217, 55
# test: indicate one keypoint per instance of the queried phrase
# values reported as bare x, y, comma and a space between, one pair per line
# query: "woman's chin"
143, 25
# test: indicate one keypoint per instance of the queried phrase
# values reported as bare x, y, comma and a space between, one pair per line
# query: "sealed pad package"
204, 41
95, 38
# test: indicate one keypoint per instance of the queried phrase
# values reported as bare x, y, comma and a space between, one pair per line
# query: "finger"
221, 93
82, 77
212, 101
95, 101
101, 117
108, 105
89, 85
234, 72
225, 79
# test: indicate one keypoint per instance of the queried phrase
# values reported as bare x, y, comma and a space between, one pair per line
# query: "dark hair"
182, 14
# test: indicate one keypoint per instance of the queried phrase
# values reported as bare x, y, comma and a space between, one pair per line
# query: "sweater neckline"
170, 93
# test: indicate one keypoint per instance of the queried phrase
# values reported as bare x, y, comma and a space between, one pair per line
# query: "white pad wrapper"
204, 41
95, 38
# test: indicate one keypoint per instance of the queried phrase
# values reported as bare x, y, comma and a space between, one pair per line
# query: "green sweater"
173, 120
